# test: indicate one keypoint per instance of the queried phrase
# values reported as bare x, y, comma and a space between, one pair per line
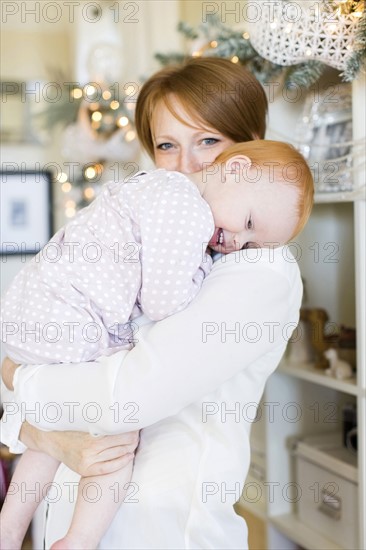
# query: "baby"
139, 247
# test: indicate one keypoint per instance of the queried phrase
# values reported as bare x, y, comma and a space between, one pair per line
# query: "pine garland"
357, 61
233, 44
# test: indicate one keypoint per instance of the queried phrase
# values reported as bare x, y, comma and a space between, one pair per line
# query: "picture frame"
324, 137
26, 217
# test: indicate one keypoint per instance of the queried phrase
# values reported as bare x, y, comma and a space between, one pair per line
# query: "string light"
97, 116
114, 105
106, 95
89, 193
90, 90
235, 59
76, 93
130, 135
90, 172
70, 212
123, 121
62, 177
66, 187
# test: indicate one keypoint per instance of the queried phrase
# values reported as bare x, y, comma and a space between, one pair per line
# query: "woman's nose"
187, 163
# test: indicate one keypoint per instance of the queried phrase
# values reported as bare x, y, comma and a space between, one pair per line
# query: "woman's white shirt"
192, 383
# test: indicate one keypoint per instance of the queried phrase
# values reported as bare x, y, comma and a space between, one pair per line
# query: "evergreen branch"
304, 74
170, 58
357, 60
187, 30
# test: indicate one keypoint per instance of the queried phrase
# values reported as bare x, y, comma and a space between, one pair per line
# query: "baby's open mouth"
220, 236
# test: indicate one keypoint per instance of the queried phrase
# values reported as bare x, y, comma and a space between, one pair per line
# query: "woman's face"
180, 147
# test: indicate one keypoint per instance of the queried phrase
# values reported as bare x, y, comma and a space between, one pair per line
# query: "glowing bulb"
308, 53
70, 212
62, 177
246, 35
89, 193
130, 136
123, 121
196, 54
66, 187
90, 90
94, 106
235, 59
213, 44
106, 95
70, 204
77, 93
90, 173
97, 116
129, 89
114, 104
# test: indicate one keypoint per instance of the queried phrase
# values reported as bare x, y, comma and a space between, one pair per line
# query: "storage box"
328, 490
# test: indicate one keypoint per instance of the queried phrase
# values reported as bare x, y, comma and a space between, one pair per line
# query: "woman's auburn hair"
285, 164
215, 92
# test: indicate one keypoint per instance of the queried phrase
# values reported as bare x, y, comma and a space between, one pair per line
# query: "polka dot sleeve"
176, 226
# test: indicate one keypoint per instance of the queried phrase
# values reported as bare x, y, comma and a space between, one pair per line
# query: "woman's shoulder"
281, 260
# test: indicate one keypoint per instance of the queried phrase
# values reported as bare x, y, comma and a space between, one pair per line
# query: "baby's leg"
99, 498
28, 487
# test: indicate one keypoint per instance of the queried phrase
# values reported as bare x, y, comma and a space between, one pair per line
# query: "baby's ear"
237, 163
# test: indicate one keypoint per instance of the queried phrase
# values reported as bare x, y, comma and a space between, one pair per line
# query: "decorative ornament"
286, 37
324, 137
99, 129
338, 368
329, 32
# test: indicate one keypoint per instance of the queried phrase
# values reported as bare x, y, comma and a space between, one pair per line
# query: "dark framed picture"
25, 211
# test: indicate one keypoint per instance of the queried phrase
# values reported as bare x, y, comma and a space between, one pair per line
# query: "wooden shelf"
307, 371
257, 509
306, 537
341, 196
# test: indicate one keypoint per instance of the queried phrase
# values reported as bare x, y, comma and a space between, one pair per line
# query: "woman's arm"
247, 308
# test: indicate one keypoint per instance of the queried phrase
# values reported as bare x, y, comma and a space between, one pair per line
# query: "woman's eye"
210, 141
164, 146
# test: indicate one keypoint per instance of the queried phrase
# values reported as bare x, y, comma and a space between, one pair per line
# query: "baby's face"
253, 215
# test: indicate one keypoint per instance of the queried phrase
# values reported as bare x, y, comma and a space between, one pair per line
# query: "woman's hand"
8, 369
81, 452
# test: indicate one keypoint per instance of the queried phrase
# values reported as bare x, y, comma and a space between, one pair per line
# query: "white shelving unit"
300, 400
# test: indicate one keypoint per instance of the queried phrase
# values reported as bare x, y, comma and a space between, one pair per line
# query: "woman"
193, 380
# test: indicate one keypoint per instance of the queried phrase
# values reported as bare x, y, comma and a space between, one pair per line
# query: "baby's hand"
8, 369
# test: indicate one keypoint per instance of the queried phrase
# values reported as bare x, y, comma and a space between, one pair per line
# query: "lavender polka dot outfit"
139, 246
